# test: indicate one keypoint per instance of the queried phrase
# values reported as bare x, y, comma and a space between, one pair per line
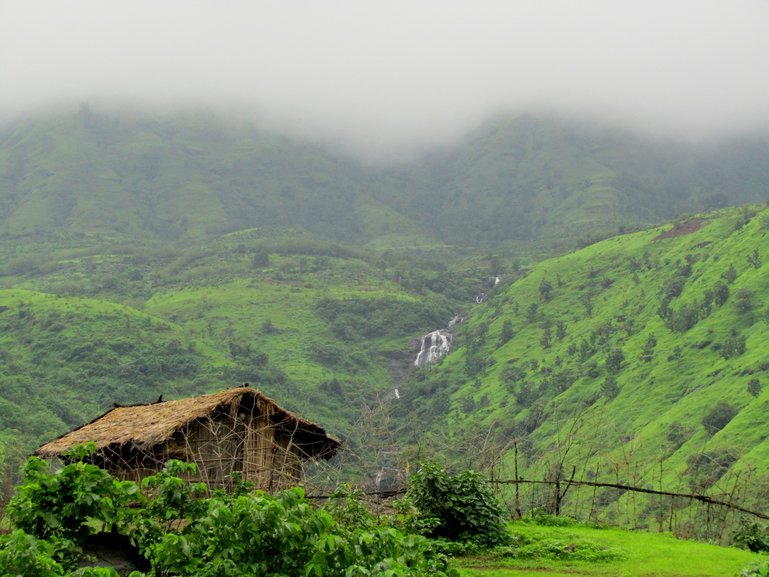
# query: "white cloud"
384, 75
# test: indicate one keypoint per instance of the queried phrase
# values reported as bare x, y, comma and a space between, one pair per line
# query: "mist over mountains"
514, 179
388, 79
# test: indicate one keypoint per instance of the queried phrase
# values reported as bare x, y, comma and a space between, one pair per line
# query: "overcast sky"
394, 74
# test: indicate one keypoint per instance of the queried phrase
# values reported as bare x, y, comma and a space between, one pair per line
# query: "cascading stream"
434, 346
437, 343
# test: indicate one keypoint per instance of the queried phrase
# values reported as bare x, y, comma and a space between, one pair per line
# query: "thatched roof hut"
237, 430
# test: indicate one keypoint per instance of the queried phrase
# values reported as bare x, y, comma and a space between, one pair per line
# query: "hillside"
326, 330
172, 255
511, 182
640, 359
554, 182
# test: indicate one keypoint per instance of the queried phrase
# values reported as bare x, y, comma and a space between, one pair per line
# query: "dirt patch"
687, 227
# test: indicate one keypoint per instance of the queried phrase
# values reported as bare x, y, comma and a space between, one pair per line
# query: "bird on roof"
160, 399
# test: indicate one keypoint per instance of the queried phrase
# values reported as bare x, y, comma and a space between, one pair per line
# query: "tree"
609, 387
260, 258
614, 361
648, 350
754, 386
743, 300
754, 258
531, 313
684, 318
718, 417
587, 302
560, 329
463, 505
545, 290
507, 332
546, 339
721, 294
730, 274
733, 346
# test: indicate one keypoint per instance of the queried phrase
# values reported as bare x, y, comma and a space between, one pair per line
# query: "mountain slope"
542, 178
512, 181
646, 350
170, 178
315, 325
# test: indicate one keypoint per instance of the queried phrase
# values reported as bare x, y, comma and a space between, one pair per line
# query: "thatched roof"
145, 426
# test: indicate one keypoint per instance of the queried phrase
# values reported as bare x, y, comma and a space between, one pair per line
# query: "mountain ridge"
513, 180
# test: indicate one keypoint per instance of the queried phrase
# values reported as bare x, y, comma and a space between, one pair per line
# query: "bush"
753, 536
464, 505
23, 554
78, 500
181, 533
718, 417
758, 569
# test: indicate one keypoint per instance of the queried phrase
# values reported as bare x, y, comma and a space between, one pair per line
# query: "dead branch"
697, 497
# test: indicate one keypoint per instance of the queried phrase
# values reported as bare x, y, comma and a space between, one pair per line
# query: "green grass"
551, 396
628, 554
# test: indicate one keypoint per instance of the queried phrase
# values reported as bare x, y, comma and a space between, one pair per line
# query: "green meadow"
546, 551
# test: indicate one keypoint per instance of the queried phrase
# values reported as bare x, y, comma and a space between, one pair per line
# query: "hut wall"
287, 462
258, 454
216, 445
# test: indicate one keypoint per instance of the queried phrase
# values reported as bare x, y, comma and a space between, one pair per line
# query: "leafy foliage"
752, 535
25, 555
719, 416
182, 533
74, 502
463, 504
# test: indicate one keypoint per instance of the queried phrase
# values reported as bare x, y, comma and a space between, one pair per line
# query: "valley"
177, 255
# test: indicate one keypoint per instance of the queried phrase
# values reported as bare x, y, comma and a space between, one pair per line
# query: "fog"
387, 76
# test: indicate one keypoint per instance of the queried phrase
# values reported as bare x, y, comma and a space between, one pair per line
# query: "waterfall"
434, 346
437, 343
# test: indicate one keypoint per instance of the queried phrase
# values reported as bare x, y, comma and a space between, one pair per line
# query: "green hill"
170, 255
542, 179
322, 328
511, 182
640, 359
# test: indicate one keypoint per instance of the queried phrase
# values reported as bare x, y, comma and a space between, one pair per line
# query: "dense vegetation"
174, 255
81, 522
318, 327
178, 528
513, 180
640, 360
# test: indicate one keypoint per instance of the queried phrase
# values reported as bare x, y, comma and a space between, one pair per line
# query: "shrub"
182, 533
753, 536
758, 569
743, 300
463, 503
718, 417
23, 554
610, 388
571, 550
258, 534
78, 500
733, 346
614, 360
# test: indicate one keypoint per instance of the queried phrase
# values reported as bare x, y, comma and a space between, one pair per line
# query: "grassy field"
585, 551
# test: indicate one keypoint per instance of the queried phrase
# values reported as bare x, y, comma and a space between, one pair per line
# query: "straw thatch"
235, 434
142, 427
